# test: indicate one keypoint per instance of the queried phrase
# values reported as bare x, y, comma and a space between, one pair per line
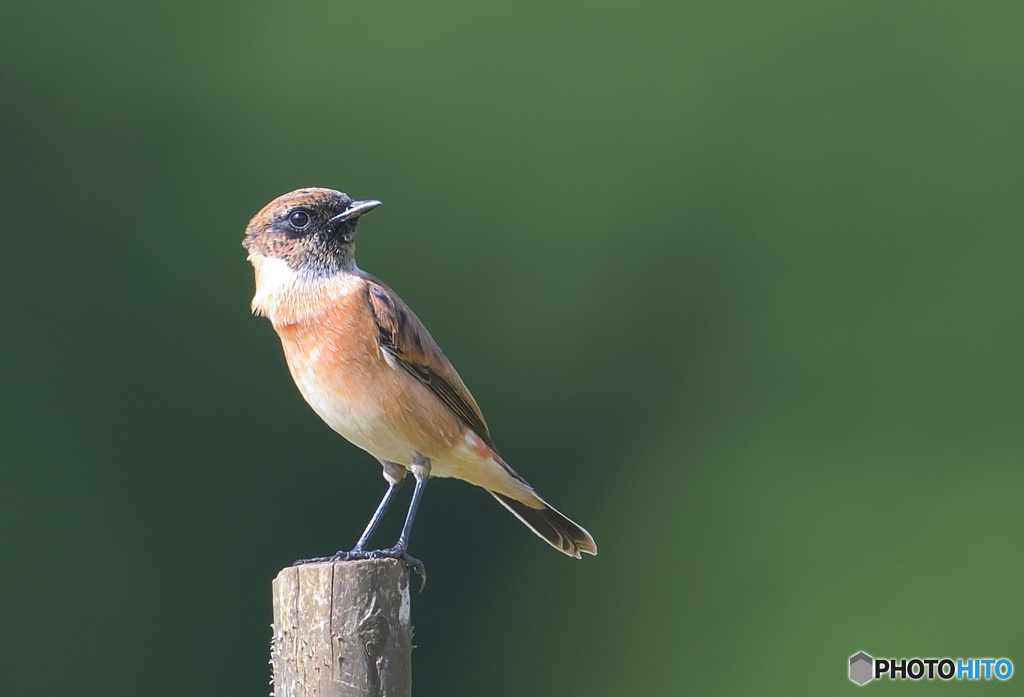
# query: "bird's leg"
421, 471
357, 551
371, 526
394, 474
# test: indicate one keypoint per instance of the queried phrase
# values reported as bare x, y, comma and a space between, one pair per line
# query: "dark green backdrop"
737, 284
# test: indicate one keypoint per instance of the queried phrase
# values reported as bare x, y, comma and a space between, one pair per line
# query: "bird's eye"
299, 220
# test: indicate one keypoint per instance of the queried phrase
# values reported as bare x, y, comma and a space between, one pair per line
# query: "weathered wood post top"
342, 629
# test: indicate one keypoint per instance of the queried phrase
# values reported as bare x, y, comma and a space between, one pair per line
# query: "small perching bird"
369, 368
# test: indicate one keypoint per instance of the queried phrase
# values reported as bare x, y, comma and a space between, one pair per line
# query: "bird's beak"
354, 210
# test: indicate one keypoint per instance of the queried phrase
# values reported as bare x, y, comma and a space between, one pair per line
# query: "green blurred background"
738, 286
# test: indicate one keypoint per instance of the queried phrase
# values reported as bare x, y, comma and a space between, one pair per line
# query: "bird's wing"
404, 339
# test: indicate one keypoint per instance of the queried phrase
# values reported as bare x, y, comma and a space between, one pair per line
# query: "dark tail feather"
551, 526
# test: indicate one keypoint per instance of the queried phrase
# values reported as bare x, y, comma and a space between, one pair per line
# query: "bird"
369, 368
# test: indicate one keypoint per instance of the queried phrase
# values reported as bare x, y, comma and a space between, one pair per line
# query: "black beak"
354, 210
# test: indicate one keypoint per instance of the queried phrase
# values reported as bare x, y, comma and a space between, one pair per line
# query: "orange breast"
332, 353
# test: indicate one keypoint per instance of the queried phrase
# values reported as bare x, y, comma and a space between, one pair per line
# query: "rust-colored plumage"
370, 369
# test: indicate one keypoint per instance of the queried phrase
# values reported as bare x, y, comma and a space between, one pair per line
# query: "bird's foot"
340, 556
416, 566
358, 554
400, 554
352, 555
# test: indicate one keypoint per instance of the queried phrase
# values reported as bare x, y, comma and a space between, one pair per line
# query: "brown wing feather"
401, 334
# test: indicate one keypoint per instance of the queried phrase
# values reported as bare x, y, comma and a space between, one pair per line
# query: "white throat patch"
273, 276
278, 283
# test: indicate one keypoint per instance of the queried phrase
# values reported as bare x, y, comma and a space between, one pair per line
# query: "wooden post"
342, 629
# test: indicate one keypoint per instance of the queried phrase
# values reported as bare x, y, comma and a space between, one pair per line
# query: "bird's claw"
358, 554
417, 567
401, 555
337, 556
315, 560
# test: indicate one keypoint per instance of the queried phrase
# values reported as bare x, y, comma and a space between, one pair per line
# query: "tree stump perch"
342, 629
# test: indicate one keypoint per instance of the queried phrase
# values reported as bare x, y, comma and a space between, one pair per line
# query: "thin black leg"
421, 471
417, 493
378, 514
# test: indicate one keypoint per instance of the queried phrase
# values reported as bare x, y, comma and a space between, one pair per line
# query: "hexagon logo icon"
861, 668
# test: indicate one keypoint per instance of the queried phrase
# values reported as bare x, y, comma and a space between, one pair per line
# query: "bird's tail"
551, 526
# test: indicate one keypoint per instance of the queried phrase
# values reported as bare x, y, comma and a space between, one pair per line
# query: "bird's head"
310, 230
